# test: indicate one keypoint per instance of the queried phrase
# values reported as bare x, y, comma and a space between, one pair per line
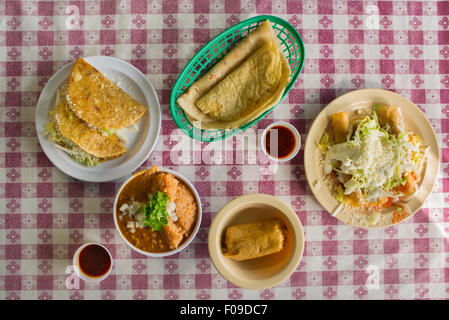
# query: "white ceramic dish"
187, 241
140, 144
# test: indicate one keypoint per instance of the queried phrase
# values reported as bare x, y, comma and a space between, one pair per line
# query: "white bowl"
295, 133
186, 242
84, 276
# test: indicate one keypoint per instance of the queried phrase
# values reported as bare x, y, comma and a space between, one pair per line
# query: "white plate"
140, 144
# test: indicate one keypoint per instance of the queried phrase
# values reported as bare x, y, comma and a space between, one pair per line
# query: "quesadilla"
83, 143
248, 81
100, 102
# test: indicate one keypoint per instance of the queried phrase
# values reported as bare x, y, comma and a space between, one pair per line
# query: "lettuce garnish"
156, 214
375, 160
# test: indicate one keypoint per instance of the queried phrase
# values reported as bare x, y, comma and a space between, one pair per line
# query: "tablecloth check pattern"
45, 215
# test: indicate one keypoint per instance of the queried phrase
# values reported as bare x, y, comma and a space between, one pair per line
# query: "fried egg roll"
340, 125
392, 116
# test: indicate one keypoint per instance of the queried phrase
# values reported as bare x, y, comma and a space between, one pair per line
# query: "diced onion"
171, 206
130, 224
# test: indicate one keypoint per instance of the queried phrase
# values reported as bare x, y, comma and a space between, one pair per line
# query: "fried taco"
81, 142
100, 102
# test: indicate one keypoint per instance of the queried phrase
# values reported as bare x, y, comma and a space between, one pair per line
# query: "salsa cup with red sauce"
93, 262
280, 141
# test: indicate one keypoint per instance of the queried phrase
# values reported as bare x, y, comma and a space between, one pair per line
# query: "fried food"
254, 240
100, 102
248, 81
88, 139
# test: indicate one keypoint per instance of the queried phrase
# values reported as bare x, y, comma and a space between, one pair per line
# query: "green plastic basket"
214, 50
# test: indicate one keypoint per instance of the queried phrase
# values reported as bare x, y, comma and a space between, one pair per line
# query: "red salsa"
94, 260
285, 145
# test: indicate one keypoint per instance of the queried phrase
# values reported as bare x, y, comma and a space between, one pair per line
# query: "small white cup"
295, 133
80, 273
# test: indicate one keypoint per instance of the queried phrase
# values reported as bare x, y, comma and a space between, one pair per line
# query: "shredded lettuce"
69, 112
109, 132
106, 132
325, 143
376, 160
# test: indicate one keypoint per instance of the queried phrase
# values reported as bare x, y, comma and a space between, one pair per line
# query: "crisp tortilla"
249, 80
88, 139
98, 101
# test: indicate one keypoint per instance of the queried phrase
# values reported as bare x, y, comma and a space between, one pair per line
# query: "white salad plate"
139, 143
415, 121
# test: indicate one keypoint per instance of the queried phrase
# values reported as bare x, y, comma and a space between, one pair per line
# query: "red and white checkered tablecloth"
45, 215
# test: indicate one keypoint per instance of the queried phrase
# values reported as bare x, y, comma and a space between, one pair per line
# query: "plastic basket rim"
205, 47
